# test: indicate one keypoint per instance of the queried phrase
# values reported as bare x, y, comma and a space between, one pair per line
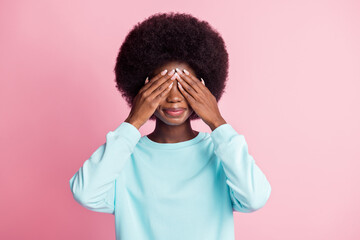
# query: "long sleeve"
93, 185
249, 187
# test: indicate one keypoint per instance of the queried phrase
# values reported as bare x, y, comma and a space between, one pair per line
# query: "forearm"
248, 184
92, 182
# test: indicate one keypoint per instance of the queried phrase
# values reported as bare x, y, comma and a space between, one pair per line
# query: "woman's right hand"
149, 97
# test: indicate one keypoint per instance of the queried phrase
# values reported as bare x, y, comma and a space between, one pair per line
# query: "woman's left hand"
202, 101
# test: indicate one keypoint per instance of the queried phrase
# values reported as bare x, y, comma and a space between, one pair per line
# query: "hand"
202, 101
149, 98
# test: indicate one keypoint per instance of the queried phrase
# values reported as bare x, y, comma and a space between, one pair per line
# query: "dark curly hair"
166, 37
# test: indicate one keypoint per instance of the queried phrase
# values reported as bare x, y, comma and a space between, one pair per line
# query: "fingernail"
178, 70
202, 80
186, 72
147, 80
179, 85
164, 72
171, 72
171, 84
175, 76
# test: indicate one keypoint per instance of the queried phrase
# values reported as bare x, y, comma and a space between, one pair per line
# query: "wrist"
133, 122
217, 123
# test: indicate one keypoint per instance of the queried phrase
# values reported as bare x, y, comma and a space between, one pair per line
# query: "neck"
164, 133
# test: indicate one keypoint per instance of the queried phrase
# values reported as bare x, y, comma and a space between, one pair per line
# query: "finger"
164, 92
163, 86
157, 81
201, 90
193, 82
190, 85
202, 87
159, 75
188, 97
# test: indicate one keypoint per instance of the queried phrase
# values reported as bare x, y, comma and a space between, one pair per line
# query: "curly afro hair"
166, 37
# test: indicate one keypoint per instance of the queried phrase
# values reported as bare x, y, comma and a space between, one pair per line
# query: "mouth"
174, 112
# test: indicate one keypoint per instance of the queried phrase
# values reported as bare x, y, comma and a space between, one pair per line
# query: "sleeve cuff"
222, 134
128, 131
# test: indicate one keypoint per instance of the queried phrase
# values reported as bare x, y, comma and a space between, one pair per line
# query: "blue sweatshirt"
171, 191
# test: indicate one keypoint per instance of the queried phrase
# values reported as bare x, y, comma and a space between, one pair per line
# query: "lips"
174, 111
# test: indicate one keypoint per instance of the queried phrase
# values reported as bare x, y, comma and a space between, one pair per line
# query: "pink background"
293, 92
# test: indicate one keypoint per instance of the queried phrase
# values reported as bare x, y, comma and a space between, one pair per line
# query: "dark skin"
187, 91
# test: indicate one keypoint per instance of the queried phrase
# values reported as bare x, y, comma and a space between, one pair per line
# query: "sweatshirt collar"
177, 145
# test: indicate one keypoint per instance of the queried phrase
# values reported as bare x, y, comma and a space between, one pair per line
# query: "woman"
175, 183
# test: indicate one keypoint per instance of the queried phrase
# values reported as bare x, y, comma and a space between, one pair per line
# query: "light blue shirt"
171, 191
